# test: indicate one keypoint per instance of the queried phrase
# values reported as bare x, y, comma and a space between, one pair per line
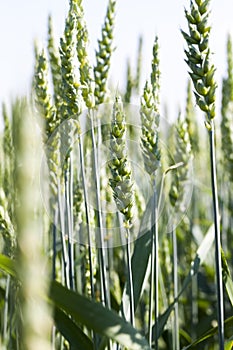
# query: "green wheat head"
70, 98
139, 64
7, 230
121, 181
49, 114
227, 113
190, 118
42, 95
104, 53
87, 79
198, 58
182, 155
150, 117
8, 159
129, 83
55, 63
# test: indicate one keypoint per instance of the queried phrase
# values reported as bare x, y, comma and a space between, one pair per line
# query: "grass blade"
71, 331
213, 331
95, 316
7, 265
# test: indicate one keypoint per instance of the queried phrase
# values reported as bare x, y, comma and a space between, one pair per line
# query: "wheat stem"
154, 285
85, 195
62, 234
99, 215
176, 338
54, 233
69, 210
202, 75
220, 298
130, 275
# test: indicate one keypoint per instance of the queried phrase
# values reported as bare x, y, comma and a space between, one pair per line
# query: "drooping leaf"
227, 277
71, 332
228, 325
228, 345
96, 317
201, 254
7, 265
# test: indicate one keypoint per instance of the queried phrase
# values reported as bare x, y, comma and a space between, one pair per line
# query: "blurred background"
23, 22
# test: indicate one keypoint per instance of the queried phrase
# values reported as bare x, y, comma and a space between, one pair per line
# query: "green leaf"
228, 325
201, 254
140, 259
228, 345
71, 331
229, 288
96, 317
7, 265
227, 277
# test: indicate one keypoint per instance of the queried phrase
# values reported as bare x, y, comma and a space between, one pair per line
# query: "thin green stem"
130, 276
54, 232
102, 257
6, 307
176, 338
194, 306
153, 301
84, 185
85, 195
69, 210
219, 282
63, 239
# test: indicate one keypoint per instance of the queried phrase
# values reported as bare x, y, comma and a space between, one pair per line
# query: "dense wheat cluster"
115, 223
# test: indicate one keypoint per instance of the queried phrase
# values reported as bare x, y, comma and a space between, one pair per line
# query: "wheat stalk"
122, 184
150, 119
202, 75
88, 92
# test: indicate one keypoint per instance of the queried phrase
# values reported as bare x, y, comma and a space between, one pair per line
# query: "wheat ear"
202, 75
103, 54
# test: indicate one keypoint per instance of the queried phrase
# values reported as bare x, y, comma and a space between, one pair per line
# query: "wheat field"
116, 223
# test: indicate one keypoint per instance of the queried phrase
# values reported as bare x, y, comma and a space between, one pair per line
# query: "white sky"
23, 21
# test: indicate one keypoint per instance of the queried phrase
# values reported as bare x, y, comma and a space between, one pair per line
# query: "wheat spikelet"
182, 155
129, 83
43, 97
86, 71
191, 121
55, 63
49, 115
198, 58
121, 181
70, 99
104, 53
227, 113
150, 117
139, 65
